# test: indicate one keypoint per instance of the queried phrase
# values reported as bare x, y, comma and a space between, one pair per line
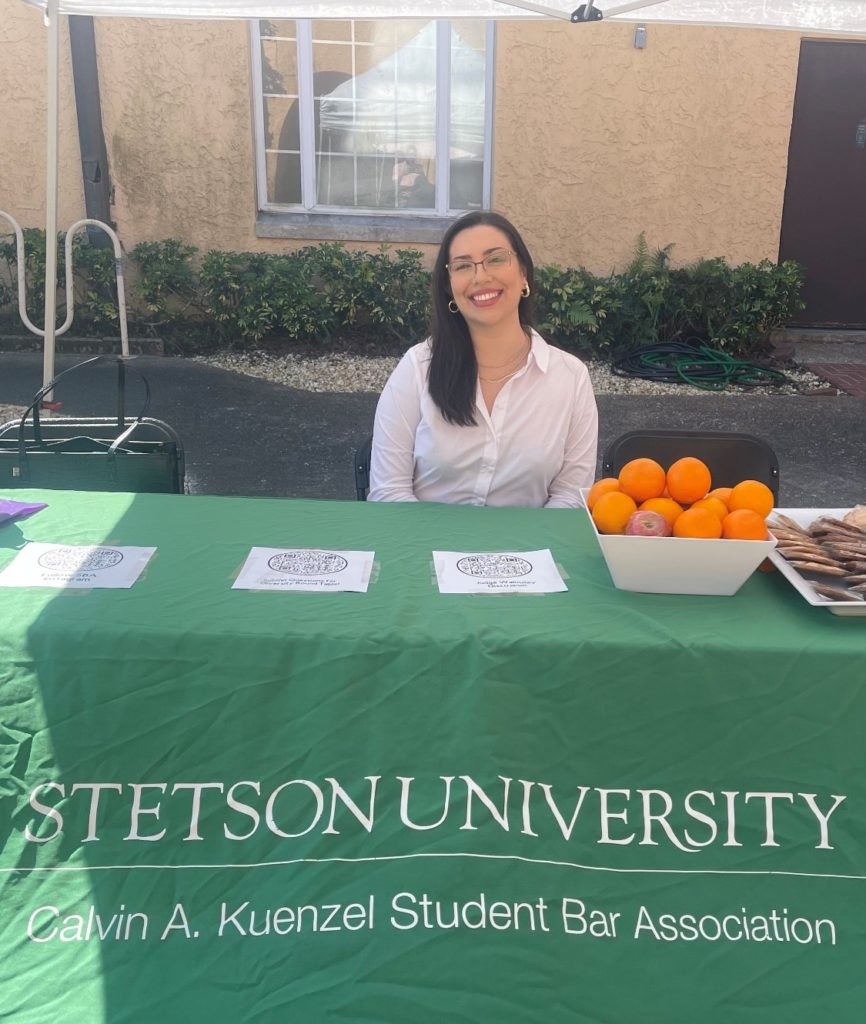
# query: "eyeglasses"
492, 262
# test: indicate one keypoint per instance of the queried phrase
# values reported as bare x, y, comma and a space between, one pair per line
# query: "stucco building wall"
177, 114
686, 139
594, 141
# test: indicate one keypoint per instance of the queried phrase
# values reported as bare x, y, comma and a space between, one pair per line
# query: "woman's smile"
484, 298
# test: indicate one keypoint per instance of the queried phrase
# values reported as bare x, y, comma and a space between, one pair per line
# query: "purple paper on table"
12, 511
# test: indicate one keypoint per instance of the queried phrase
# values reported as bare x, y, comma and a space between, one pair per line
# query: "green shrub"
316, 293
733, 309
602, 316
375, 293
95, 284
762, 298
166, 285
254, 295
568, 307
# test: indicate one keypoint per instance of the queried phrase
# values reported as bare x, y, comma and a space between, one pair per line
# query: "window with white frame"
372, 117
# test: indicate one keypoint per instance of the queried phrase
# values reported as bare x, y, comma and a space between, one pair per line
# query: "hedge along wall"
325, 293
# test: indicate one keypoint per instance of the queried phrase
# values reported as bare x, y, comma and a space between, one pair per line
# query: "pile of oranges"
683, 495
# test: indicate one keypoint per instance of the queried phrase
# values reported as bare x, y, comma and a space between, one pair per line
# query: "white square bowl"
680, 565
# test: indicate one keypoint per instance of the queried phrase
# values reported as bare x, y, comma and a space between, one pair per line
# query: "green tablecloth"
493, 808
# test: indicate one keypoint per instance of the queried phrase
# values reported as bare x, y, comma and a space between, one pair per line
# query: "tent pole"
53, 23
549, 12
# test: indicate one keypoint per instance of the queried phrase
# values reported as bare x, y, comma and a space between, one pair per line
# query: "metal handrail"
70, 297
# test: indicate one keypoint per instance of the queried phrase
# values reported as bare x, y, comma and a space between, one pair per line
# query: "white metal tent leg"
50, 331
52, 19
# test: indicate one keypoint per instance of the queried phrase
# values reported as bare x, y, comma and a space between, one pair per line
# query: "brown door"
824, 218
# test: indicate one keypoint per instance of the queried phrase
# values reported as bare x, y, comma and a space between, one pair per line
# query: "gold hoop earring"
452, 305
525, 290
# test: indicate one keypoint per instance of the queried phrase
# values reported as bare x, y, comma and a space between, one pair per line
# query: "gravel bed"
10, 412
342, 372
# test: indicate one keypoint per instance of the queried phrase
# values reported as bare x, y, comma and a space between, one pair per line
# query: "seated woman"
485, 412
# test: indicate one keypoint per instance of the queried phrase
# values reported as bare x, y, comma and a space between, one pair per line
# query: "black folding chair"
730, 457
362, 469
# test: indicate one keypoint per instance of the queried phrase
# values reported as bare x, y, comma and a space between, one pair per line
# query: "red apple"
647, 524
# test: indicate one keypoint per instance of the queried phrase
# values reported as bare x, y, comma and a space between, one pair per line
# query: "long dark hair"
453, 371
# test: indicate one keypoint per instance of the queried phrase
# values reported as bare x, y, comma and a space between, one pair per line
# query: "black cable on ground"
679, 362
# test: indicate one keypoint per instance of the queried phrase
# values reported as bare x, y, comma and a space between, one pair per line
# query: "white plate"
803, 517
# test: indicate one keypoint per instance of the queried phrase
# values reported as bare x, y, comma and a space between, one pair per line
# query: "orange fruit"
715, 506
666, 507
744, 524
641, 479
722, 493
603, 486
688, 480
754, 495
612, 511
698, 522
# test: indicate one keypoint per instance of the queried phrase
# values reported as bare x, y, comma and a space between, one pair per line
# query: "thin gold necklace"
508, 362
499, 366
498, 380
521, 357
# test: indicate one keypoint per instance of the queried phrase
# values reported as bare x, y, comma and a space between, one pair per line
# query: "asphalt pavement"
248, 436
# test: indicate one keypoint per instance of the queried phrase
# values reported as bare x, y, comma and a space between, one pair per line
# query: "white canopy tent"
836, 16
847, 17
333, 9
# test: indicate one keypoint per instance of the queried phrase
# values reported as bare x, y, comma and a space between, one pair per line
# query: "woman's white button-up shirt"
536, 448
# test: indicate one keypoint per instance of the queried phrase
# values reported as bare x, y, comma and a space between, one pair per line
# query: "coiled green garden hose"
679, 362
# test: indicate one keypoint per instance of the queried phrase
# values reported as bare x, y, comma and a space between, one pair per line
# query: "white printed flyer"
307, 569
498, 572
92, 566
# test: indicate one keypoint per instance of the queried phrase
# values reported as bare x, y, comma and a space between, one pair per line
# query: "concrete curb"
88, 346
